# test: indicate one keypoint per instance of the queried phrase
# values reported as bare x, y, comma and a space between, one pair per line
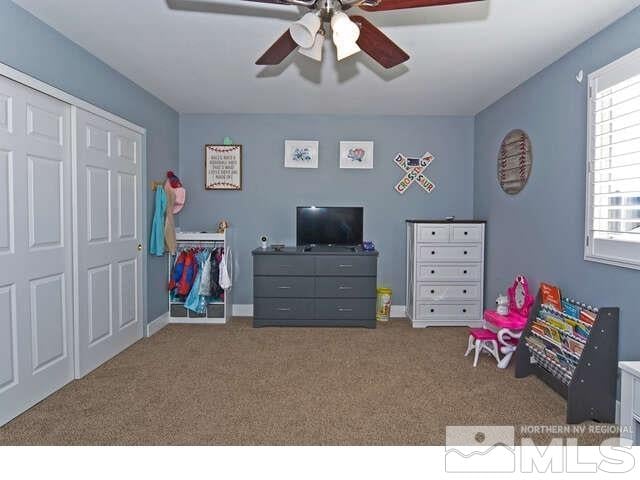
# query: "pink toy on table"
510, 327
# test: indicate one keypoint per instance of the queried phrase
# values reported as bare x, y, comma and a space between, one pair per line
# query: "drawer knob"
284, 309
465, 272
432, 310
465, 252
433, 291
433, 233
464, 291
345, 309
345, 266
432, 272
343, 287
284, 287
466, 233
433, 252
464, 310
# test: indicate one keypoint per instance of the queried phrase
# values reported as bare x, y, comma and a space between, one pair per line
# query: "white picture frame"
301, 153
356, 155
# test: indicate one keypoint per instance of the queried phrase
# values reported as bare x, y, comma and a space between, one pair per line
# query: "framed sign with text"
223, 167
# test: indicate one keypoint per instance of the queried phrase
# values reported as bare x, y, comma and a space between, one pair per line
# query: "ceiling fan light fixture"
345, 35
315, 52
304, 30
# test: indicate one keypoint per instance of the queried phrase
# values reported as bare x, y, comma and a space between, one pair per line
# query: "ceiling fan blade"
400, 4
278, 51
377, 45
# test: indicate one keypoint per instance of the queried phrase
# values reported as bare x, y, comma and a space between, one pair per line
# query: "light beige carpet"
234, 384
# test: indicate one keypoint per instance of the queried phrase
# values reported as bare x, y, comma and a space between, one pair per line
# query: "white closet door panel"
109, 268
35, 251
8, 338
6, 202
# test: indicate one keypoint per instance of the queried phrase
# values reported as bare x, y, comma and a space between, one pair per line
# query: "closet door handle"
139, 247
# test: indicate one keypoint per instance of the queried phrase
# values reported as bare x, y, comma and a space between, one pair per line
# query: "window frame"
627, 63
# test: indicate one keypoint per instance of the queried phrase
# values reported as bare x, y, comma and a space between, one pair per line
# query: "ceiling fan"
351, 33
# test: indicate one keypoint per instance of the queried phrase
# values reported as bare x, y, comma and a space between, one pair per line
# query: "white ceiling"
198, 55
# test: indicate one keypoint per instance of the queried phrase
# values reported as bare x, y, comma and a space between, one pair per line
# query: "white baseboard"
246, 310
156, 325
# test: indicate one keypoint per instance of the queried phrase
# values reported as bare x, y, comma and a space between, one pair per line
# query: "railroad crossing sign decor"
414, 168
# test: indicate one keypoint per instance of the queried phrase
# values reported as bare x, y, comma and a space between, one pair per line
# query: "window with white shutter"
613, 170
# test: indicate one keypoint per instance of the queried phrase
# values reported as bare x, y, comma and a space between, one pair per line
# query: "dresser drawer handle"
345, 309
284, 287
433, 272
466, 233
464, 291
285, 266
464, 310
345, 266
433, 291
465, 272
284, 309
433, 233
433, 252
466, 253
342, 287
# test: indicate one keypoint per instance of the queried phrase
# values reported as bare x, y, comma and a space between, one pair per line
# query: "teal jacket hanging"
156, 244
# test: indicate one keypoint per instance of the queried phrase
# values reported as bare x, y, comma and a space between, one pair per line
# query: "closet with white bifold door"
71, 293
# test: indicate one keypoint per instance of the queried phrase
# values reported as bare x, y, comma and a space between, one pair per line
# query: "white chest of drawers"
630, 401
445, 273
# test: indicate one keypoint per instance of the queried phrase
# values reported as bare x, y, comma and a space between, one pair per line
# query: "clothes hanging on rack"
188, 274
205, 282
216, 289
225, 278
195, 302
196, 275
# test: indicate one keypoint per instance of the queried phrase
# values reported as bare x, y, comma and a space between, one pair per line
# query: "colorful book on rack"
588, 317
570, 309
551, 296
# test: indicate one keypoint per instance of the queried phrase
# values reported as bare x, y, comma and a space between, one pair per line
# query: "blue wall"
31, 46
540, 232
270, 192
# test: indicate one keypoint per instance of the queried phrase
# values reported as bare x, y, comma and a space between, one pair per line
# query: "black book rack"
576, 359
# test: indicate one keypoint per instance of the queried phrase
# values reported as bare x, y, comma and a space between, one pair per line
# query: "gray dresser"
323, 287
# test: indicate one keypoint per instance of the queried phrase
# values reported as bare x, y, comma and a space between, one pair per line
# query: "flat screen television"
329, 226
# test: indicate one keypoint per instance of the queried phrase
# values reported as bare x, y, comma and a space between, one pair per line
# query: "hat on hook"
178, 190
